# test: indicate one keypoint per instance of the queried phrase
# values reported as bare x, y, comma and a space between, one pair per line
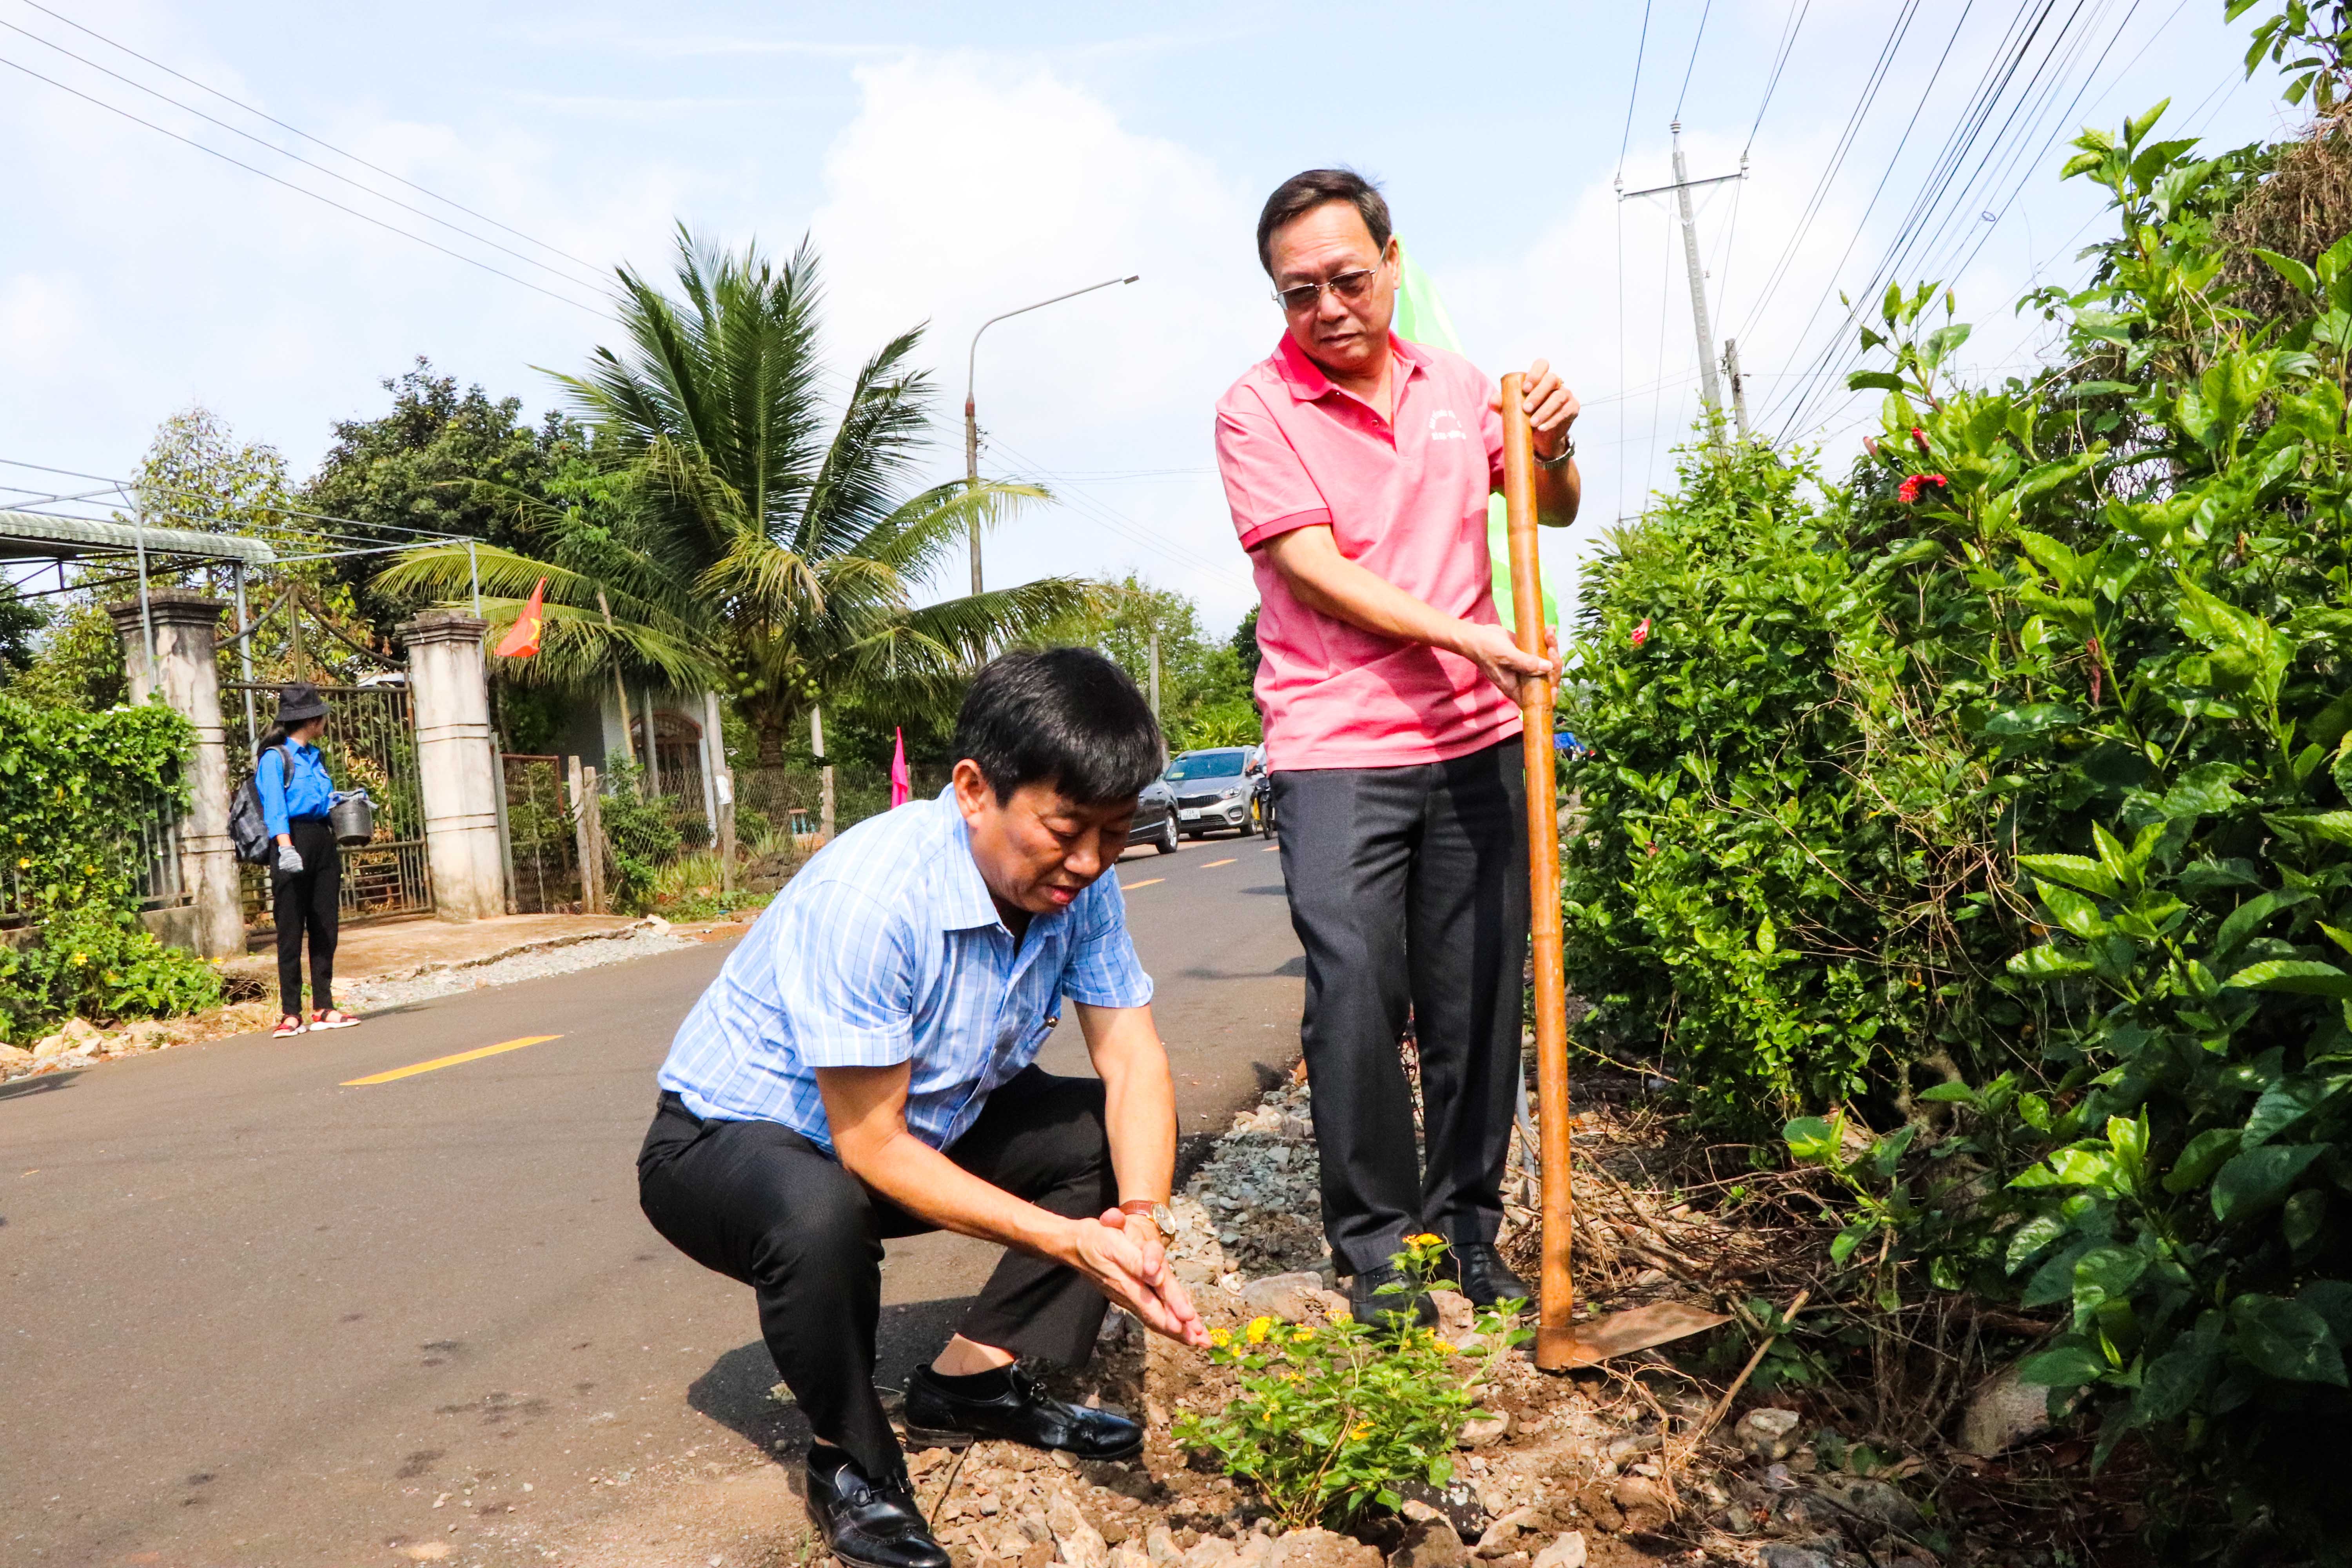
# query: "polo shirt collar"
1306, 378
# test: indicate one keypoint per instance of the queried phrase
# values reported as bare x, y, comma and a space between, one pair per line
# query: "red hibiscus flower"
1909, 493
1641, 632
1918, 438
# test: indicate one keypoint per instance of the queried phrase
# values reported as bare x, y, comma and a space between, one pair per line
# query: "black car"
1155, 818
1214, 788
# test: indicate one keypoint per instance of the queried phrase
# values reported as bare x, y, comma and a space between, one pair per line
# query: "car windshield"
1205, 766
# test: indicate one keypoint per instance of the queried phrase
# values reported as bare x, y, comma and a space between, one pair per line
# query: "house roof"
25, 535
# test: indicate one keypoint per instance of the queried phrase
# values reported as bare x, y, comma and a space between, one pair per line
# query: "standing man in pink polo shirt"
1358, 467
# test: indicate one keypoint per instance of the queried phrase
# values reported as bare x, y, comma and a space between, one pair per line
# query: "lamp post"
970, 414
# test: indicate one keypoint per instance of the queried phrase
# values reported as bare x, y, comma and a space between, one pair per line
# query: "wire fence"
774, 804
542, 836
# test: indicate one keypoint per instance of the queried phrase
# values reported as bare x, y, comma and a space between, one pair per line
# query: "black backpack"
248, 829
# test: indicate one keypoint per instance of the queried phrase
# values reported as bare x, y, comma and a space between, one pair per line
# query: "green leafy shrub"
76, 787
2017, 776
1331, 1421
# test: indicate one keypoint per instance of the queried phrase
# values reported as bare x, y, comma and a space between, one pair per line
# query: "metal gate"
371, 744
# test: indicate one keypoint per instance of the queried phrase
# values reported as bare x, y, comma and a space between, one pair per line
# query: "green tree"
1204, 695
441, 461
731, 537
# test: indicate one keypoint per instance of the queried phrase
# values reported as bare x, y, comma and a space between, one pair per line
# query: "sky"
952, 162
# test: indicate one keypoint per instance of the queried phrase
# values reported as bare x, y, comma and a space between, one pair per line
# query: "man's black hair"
1302, 194
1065, 716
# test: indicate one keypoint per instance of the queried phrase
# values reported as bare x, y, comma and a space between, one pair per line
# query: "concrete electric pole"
971, 414
1709, 387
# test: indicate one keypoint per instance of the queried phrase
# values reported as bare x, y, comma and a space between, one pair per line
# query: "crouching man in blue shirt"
863, 1067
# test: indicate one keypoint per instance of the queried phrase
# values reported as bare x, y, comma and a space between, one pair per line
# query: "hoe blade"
1621, 1334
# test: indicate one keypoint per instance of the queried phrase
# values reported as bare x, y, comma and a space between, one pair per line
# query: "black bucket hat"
297, 703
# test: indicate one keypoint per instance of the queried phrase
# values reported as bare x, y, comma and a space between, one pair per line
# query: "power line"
1697, 39
306, 136
2020, 150
301, 190
1894, 36
1633, 93
1780, 61
306, 162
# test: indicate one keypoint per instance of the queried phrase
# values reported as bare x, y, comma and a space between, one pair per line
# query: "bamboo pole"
1555, 1337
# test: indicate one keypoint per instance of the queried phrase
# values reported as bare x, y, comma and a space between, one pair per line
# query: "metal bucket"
353, 819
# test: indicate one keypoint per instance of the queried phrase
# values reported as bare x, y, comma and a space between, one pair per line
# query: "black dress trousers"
1409, 887
760, 1203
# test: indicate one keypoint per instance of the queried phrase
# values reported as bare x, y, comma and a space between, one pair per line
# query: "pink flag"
902, 788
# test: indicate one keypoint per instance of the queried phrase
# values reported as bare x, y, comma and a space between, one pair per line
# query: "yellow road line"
472, 1056
1147, 882
1215, 864
1271, 849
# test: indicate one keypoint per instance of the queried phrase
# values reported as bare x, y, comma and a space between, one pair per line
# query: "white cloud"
966, 186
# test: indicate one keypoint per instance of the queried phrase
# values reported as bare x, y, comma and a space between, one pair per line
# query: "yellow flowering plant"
1331, 1421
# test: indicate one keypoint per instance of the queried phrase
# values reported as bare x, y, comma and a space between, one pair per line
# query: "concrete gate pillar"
452, 708
188, 680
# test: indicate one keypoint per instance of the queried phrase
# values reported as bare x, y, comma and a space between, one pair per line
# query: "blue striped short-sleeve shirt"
886, 948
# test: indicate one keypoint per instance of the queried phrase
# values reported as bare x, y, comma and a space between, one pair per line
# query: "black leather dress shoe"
1484, 1278
868, 1524
1018, 1412
1380, 1311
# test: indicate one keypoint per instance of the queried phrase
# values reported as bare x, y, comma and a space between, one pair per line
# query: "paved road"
255, 1316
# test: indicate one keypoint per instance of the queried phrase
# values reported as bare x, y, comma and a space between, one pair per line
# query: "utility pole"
970, 410
1739, 386
1710, 389
1155, 672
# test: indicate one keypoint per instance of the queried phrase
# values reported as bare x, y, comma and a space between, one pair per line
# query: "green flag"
1421, 318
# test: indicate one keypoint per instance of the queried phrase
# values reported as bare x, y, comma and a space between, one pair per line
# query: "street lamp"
971, 415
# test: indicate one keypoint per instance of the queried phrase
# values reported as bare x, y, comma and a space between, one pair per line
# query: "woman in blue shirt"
306, 883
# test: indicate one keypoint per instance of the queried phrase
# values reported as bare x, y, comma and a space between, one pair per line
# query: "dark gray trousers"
1409, 886
759, 1203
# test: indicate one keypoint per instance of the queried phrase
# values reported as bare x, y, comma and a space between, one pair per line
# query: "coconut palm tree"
730, 539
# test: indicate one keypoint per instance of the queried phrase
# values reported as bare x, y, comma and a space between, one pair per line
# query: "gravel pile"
638, 942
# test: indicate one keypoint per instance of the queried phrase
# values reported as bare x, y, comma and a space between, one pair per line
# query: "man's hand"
1122, 1254
1551, 408
1498, 654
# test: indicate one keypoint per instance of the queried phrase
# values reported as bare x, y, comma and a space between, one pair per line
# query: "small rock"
1128, 1554
1567, 1550
2003, 1413
1082, 1544
1290, 1296
1501, 1536
987, 1504
14, 1057
1484, 1431
1646, 1503
1429, 1541
1323, 1549
1735, 1520
1873, 1500
1161, 1547
1767, 1434
145, 1035
81, 1031
1418, 1511
50, 1045
1778, 1555
1778, 1478
1456, 1315
653, 925
1255, 1551
1033, 1524
1625, 1450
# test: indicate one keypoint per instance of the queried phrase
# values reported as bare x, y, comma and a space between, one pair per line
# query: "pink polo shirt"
1406, 500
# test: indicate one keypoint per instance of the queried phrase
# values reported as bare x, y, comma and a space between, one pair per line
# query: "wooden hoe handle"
1554, 1336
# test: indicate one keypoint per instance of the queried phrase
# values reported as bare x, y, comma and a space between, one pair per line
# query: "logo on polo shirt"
1444, 427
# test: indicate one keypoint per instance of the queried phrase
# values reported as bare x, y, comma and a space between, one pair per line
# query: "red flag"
522, 641
902, 786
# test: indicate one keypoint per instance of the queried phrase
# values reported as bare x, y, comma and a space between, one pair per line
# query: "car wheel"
1265, 823
1169, 836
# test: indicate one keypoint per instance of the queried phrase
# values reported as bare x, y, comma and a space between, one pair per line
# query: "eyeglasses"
1351, 287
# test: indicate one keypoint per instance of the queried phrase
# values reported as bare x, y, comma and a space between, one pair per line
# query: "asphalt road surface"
255, 1314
